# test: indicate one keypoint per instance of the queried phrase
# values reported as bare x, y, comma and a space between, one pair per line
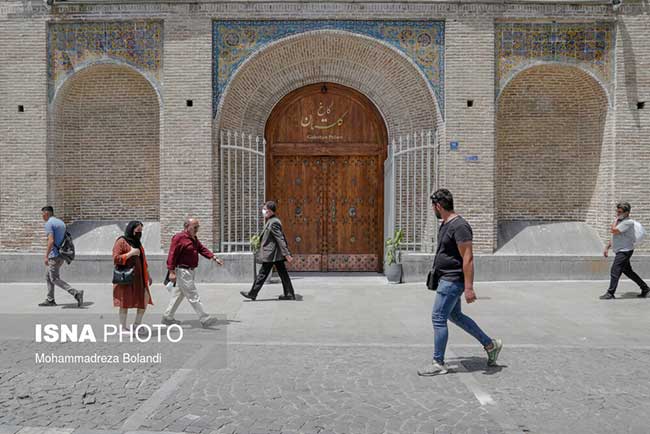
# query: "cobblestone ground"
89, 398
322, 390
573, 390
344, 360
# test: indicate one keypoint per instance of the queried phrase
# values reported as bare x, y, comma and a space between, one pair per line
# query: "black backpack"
66, 249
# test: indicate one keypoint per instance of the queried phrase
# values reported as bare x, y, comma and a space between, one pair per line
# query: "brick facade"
187, 182
553, 129
550, 128
632, 125
104, 152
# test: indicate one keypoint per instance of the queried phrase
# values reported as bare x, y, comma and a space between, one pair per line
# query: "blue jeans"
447, 306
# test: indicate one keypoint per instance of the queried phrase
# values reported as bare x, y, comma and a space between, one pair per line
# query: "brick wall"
187, 183
105, 153
550, 126
186, 143
23, 183
470, 76
632, 153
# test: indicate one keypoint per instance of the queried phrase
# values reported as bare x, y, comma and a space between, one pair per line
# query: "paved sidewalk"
343, 359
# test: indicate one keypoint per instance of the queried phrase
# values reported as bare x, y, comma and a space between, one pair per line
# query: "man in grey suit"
273, 252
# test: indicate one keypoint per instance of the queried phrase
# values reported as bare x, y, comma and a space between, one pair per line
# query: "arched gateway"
256, 103
326, 144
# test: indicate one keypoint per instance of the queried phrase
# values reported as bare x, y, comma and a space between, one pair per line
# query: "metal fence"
411, 175
242, 168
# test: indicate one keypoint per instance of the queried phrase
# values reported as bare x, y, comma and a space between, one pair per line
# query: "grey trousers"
53, 278
185, 288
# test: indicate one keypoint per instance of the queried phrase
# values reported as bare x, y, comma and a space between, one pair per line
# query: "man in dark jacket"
273, 252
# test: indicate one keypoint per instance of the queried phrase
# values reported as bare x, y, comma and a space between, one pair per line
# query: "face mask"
137, 235
263, 213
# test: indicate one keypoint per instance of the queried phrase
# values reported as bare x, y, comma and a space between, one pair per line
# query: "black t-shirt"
448, 261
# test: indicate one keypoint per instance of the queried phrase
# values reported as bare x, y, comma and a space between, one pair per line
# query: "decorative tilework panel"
137, 43
586, 44
235, 41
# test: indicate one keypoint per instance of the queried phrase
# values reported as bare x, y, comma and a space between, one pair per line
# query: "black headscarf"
129, 235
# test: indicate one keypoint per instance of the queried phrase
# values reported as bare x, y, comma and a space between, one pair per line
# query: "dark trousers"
264, 273
620, 266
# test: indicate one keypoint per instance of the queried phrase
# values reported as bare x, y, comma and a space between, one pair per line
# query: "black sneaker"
287, 297
607, 296
247, 295
79, 296
47, 303
644, 293
170, 321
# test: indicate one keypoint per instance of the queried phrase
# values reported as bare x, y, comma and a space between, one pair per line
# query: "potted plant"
393, 257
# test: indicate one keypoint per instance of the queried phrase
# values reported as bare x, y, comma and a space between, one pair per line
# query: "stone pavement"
343, 359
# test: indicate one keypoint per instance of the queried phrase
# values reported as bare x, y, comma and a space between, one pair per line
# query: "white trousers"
185, 288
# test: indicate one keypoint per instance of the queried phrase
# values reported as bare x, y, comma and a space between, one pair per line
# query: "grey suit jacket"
273, 247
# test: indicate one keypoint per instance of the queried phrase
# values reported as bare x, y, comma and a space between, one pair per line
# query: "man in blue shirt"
55, 231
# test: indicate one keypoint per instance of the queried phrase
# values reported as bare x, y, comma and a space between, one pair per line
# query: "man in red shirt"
182, 260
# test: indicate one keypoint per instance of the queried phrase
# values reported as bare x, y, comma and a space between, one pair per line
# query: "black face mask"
137, 235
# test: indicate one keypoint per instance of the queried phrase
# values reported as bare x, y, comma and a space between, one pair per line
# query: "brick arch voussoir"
395, 86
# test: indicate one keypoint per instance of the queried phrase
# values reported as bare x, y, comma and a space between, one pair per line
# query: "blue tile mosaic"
583, 44
137, 43
234, 41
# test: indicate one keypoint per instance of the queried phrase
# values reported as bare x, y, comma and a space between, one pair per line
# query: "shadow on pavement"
75, 306
298, 298
479, 364
630, 296
196, 324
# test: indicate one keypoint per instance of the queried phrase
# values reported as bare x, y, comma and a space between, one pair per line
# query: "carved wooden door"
353, 238
326, 147
298, 186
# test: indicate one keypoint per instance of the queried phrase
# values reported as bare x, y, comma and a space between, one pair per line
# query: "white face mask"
264, 213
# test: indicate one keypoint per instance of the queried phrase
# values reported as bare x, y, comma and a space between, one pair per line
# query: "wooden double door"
328, 181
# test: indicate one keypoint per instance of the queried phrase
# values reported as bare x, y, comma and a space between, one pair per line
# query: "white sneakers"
433, 368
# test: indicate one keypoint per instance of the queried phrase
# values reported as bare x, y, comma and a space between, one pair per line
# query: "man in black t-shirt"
454, 263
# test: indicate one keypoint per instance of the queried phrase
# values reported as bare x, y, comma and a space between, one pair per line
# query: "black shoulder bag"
123, 275
432, 279
434, 276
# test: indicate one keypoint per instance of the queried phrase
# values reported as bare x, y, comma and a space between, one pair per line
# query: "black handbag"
434, 277
123, 275
432, 280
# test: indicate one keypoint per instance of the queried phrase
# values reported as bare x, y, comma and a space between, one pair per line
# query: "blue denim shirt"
56, 227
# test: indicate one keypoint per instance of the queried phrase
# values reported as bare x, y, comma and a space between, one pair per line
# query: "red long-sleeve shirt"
185, 251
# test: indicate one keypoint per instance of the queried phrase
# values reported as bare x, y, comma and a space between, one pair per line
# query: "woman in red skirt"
128, 252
